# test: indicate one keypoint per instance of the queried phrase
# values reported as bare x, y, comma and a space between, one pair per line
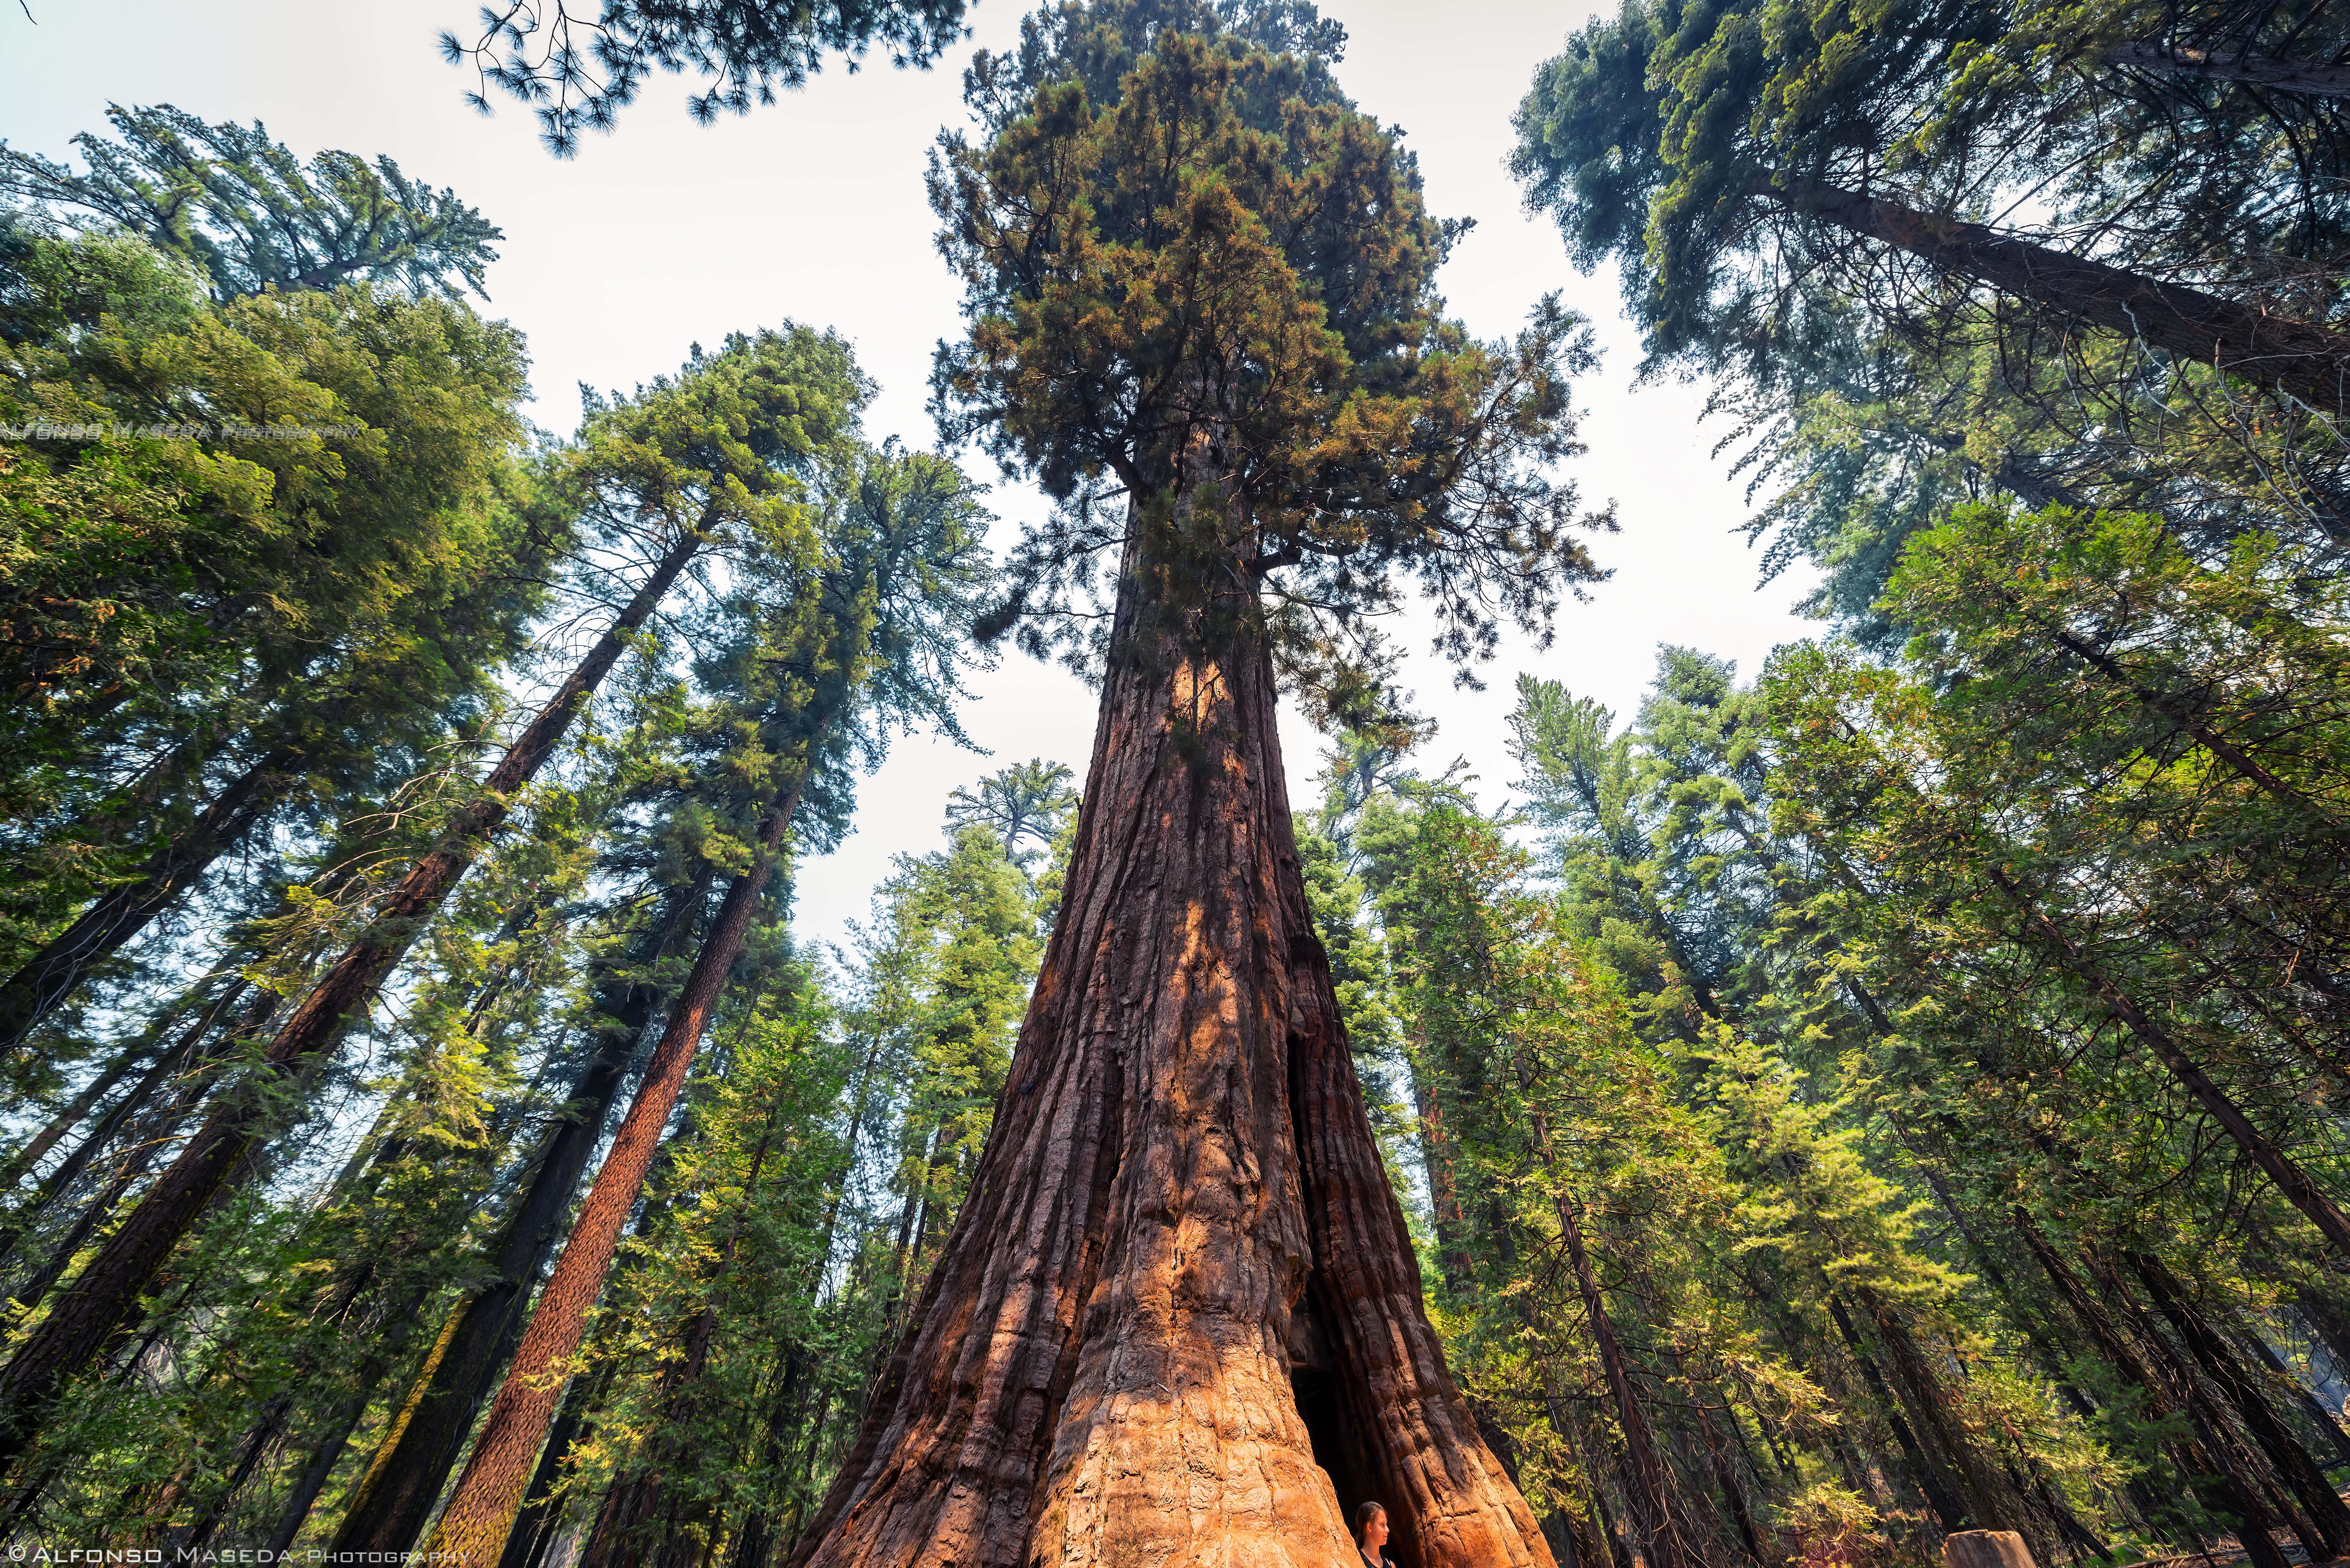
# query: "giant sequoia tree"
1179, 1315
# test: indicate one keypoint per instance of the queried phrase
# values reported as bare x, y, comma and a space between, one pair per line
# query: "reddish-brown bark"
104, 1297
390, 1507
474, 1526
626, 1528
1178, 1319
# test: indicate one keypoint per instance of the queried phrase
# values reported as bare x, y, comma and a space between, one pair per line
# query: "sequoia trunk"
1177, 1320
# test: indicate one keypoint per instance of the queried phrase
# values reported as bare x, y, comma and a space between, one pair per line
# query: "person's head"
1370, 1525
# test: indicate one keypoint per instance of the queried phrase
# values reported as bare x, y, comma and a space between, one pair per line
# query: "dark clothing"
1371, 1561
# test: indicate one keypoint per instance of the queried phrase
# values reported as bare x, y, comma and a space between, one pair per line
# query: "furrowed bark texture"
1180, 1209
2311, 362
107, 1294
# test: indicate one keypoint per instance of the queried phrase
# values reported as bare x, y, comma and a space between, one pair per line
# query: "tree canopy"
248, 213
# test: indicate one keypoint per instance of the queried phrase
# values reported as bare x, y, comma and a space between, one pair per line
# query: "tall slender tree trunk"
2191, 1393
107, 1294
70, 1114
540, 1519
2295, 1183
1927, 1467
1643, 1467
391, 1505
1443, 1185
341, 1421
1991, 1504
1179, 1192
2316, 77
98, 932
187, 1061
2308, 361
2319, 1417
2183, 718
641, 1496
2204, 1342
2222, 1487
479, 1516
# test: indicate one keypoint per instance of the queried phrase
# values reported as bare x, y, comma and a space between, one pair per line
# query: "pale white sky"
665, 234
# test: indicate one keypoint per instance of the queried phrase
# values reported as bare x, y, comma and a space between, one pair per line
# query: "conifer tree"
578, 75
1199, 282
244, 209
709, 453
368, 547
860, 635
1732, 163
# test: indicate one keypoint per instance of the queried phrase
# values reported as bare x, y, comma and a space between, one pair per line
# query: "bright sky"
666, 233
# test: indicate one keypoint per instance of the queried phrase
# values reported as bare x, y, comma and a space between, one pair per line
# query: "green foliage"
1026, 802
287, 538
745, 50
1196, 276
246, 212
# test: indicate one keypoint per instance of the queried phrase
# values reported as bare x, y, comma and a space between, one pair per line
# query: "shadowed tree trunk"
69, 1116
481, 1514
2317, 77
392, 1504
98, 932
2290, 1179
2307, 361
2302, 1474
1939, 1488
107, 1294
1659, 1540
189, 1060
1180, 1208
2220, 1486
